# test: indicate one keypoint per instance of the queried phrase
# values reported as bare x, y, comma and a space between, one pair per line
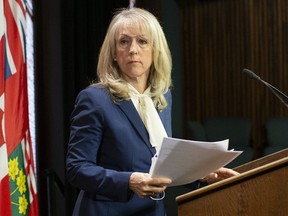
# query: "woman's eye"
142, 41
123, 42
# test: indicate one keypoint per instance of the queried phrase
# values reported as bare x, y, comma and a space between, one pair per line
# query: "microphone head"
250, 74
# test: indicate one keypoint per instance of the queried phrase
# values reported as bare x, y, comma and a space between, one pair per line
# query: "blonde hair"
160, 71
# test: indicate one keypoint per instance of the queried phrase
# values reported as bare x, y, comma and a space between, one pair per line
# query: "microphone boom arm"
280, 95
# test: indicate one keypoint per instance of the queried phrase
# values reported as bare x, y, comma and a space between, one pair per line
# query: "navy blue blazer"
108, 141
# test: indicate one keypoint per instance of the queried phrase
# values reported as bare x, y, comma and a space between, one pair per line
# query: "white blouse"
149, 115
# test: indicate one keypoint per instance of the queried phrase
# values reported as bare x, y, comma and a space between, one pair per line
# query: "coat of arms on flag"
18, 191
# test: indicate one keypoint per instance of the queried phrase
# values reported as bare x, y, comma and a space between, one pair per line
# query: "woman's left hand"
219, 175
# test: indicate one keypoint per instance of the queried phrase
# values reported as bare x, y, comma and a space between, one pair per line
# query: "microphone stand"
280, 95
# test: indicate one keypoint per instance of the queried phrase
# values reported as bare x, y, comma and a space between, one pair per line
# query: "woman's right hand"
145, 186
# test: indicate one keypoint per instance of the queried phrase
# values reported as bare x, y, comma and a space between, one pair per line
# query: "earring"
115, 59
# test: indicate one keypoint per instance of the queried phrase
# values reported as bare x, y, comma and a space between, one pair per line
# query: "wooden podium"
260, 189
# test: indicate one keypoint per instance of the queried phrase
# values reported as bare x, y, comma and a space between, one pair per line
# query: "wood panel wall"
220, 39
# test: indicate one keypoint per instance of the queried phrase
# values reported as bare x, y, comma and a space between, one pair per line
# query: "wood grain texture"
261, 190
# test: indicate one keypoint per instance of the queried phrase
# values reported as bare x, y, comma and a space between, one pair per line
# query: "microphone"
280, 95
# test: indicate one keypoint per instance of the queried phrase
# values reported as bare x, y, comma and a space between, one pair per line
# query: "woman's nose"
133, 48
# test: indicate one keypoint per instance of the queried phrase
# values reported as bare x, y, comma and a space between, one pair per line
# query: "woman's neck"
139, 84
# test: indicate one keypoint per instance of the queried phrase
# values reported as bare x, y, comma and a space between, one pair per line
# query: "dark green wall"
172, 27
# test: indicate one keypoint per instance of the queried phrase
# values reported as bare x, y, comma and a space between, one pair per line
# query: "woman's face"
133, 53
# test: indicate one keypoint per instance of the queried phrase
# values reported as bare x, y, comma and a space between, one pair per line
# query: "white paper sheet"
185, 161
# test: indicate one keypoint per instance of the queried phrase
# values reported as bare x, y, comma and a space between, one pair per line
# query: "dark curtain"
220, 39
68, 36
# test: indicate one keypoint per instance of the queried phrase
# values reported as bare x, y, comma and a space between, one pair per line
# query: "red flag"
18, 191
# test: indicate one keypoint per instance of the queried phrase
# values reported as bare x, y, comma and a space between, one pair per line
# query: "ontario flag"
18, 193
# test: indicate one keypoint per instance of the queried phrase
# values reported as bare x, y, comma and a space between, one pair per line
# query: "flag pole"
132, 3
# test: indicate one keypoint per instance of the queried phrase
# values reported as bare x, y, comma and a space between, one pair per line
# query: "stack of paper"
184, 161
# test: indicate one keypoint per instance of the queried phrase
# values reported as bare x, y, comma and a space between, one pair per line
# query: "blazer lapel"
128, 108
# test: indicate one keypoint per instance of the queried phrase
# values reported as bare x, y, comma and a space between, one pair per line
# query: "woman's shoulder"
95, 89
96, 93
168, 93
168, 96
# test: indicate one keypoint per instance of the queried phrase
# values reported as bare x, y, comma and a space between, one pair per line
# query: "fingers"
211, 178
160, 182
144, 186
218, 175
226, 172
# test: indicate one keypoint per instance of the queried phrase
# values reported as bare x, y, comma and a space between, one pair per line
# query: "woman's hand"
219, 175
144, 186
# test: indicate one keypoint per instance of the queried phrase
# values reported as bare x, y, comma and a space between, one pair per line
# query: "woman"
118, 123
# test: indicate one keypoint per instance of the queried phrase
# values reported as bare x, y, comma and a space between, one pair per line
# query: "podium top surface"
246, 171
